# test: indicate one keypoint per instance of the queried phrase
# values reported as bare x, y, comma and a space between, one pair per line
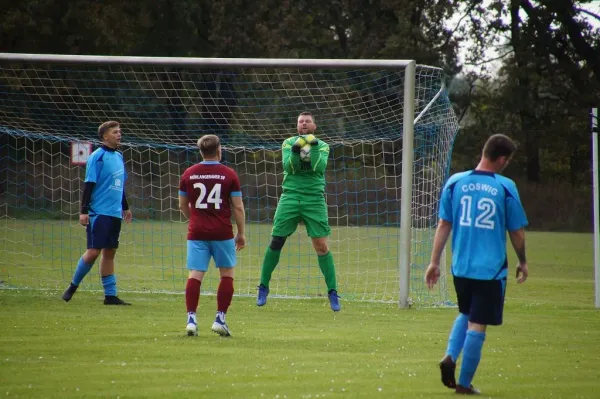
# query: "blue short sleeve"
515, 214
446, 203
124, 168
91, 170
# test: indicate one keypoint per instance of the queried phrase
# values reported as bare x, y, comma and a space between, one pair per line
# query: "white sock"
221, 316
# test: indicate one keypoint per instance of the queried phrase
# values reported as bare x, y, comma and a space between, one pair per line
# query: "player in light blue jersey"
478, 207
103, 206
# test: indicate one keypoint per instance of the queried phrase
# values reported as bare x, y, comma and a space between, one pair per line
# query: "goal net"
50, 112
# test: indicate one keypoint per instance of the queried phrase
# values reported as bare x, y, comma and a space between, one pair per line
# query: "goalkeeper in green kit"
303, 199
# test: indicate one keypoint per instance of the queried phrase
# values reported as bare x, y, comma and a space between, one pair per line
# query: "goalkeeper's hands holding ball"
311, 139
302, 141
298, 144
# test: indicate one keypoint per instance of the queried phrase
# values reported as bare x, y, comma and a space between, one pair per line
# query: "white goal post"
426, 102
596, 199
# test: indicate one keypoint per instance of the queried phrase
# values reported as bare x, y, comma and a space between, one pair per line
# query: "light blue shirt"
107, 170
481, 206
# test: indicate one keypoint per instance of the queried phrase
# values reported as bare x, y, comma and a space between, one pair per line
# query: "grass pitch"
549, 346
152, 257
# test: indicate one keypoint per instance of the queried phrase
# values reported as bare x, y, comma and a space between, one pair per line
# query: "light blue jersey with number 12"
481, 206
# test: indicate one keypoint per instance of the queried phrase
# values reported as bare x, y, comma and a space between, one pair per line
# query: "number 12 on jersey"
486, 210
214, 197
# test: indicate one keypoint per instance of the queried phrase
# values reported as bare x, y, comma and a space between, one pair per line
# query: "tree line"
524, 68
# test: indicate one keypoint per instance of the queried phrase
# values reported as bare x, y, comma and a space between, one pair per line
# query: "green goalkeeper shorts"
290, 211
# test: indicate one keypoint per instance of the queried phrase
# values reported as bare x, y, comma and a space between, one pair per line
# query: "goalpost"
596, 199
389, 123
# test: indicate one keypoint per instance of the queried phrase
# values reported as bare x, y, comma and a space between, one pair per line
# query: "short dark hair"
306, 113
209, 145
498, 146
105, 127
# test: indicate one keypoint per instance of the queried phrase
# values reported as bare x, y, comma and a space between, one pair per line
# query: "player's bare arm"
239, 214
517, 238
184, 206
432, 274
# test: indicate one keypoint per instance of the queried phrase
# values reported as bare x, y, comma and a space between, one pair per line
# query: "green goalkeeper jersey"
302, 178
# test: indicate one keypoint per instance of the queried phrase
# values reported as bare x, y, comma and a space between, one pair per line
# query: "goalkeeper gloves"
298, 144
311, 139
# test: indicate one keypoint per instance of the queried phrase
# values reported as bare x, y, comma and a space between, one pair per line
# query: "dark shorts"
103, 232
481, 300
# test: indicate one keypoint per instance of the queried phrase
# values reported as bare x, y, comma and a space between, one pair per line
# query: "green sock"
328, 270
269, 264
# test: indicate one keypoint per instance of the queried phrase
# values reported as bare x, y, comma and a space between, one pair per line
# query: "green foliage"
542, 93
537, 85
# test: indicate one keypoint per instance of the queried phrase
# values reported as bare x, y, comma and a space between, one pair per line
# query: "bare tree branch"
591, 14
453, 31
490, 59
555, 46
464, 111
576, 34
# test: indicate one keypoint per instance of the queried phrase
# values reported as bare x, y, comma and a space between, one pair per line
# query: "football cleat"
191, 329
114, 300
467, 391
447, 368
220, 327
334, 300
262, 295
68, 294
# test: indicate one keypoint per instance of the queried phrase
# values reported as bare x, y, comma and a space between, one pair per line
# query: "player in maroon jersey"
208, 193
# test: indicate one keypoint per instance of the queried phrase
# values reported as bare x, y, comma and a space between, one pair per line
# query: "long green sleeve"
291, 160
319, 155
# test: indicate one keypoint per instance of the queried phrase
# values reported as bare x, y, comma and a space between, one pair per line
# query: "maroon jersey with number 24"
209, 186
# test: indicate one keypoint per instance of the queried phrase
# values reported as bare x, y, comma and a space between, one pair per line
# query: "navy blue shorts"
103, 232
481, 300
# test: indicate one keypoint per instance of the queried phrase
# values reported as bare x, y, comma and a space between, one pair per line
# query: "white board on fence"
80, 152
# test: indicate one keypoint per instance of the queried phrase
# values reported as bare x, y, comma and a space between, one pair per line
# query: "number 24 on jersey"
214, 197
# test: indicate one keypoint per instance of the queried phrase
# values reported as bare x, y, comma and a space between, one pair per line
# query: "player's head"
110, 133
210, 147
498, 150
306, 123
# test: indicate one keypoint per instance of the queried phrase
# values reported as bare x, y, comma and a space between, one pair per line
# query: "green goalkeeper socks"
328, 270
272, 259
269, 264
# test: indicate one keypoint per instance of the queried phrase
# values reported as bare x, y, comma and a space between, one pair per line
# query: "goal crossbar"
205, 62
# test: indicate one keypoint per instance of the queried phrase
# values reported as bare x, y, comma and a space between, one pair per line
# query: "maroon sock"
224, 294
192, 294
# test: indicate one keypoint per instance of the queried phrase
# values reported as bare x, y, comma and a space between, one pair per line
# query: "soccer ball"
305, 153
